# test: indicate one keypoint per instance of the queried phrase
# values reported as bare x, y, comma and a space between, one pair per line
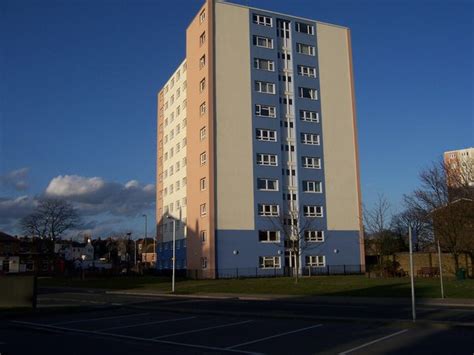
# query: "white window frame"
271, 110
266, 42
202, 108
203, 158
314, 236
203, 236
202, 38
313, 93
275, 261
300, 48
308, 71
268, 236
202, 184
262, 20
309, 116
202, 133
309, 27
267, 181
203, 209
313, 211
204, 262
270, 64
265, 159
311, 162
266, 135
312, 186
310, 138
202, 61
202, 16
315, 260
265, 87
202, 85
267, 210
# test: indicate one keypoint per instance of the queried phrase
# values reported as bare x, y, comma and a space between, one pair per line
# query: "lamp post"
146, 232
410, 243
129, 235
173, 275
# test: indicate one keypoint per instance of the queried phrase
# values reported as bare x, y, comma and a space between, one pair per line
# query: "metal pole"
146, 236
135, 254
410, 243
174, 256
440, 271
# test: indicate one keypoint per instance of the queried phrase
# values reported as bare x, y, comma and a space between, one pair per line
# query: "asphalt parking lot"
123, 330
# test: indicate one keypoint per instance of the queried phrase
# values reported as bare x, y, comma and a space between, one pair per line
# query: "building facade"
271, 144
460, 165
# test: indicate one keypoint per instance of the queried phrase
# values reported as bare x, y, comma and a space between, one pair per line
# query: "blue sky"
79, 80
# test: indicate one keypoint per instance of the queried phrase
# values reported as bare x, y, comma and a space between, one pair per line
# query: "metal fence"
256, 272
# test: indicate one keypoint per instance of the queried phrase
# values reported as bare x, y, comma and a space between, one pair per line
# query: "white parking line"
274, 336
103, 318
373, 342
143, 324
120, 336
203, 329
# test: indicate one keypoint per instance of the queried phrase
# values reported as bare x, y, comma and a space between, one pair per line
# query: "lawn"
354, 286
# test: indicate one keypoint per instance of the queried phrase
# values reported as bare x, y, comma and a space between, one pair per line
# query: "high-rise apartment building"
460, 165
257, 136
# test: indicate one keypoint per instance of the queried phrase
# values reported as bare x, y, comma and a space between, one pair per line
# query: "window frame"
313, 236
265, 159
260, 107
259, 85
306, 70
309, 118
268, 236
311, 49
266, 135
267, 182
276, 262
262, 20
268, 42
257, 64
313, 93
308, 211
268, 210
310, 138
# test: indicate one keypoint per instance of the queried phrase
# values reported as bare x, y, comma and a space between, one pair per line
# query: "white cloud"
95, 195
15, 179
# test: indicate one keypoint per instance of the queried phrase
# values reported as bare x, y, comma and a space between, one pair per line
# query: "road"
97, 323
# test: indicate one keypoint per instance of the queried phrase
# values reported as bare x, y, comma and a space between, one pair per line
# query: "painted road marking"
374, 341
274, 336
102, 318
203, 329
146, 323
120, 336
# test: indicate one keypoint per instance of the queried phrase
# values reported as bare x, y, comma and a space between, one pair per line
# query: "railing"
256, 272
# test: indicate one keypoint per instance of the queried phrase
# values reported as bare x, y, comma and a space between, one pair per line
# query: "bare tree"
296, 229
436, 203
377, 219
51, 218
410, 218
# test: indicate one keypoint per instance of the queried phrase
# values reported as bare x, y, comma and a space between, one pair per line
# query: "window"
202, 184
178, 185
171, 170
315, 260
265, 184
267, 159
304, 70
202, 62
264, 87
305, 49
312, 186
203, 236
177, 166
265, 111
178, 110
204, 263
269, 262
313, 211
311, 162
264, 64
310, 138
264, 42
178, 128
202, 133
266, 135
202, 108
178, 93
308, 93
304, 28
202, 16
268, 236
184, 181
262, 20
309, 116
314, 236
171, 189
268, 210
202, 85
203, 209
203, 158
202, 38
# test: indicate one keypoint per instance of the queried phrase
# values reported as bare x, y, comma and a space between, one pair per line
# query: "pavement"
98, 322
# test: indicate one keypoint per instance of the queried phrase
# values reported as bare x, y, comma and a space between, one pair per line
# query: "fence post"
256, 272
327, 267
237, 272
309, 271
344, 269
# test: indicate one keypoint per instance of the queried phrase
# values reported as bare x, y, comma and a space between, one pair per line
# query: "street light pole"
174, 256
440, 270
146, 227
410, 243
